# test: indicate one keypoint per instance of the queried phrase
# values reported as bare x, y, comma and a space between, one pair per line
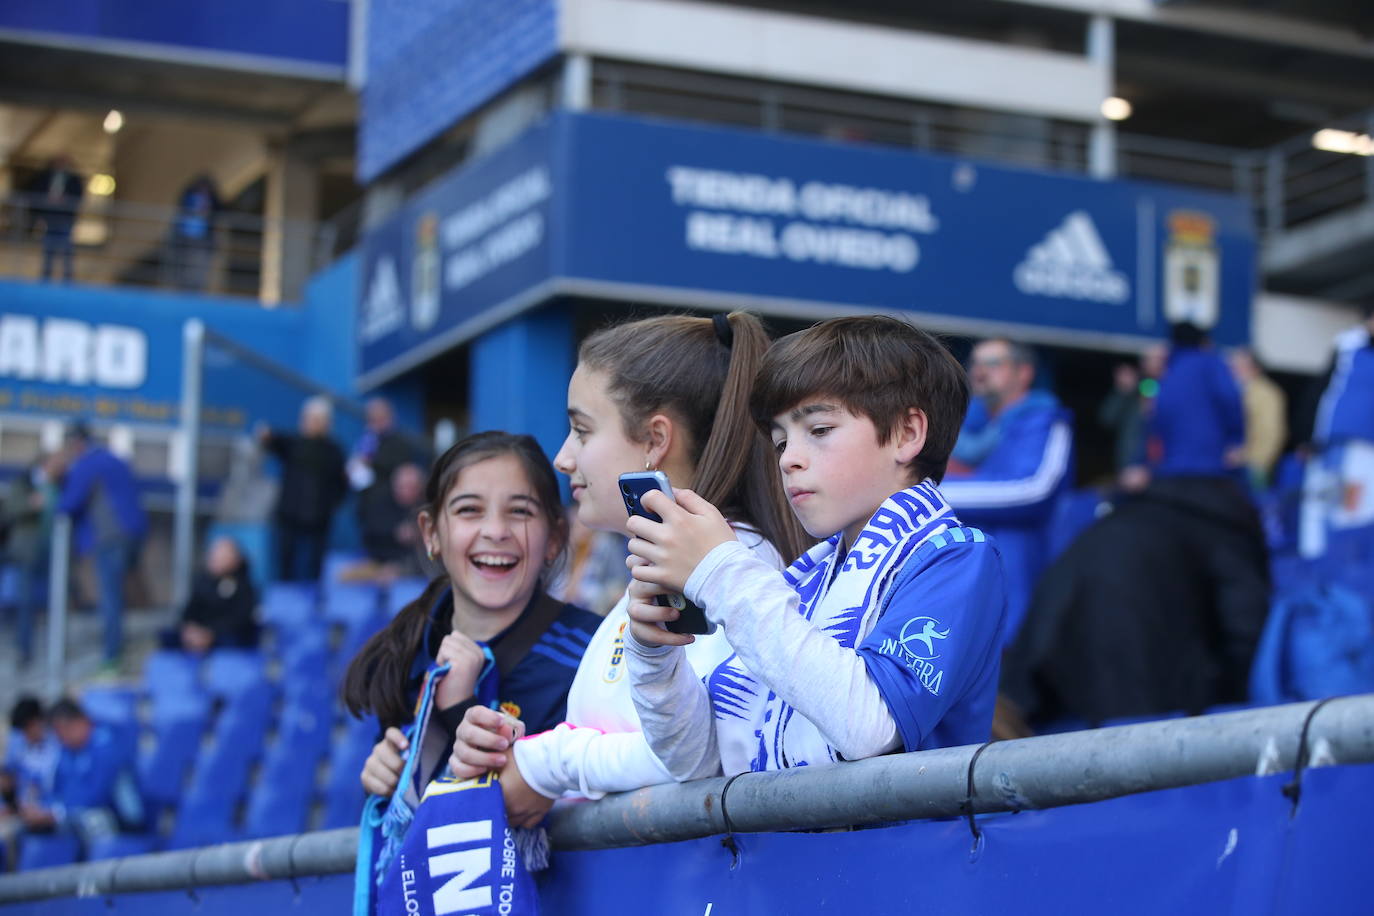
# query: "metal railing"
1031, 773
126, 243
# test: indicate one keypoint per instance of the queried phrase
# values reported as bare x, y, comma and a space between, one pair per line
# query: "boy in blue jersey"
885, 635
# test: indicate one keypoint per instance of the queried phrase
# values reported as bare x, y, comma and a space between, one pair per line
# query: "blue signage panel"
460, 252
688, 215
430, 63
750, 214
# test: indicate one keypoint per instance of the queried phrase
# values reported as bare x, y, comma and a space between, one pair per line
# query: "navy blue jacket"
1198, 415
102, 497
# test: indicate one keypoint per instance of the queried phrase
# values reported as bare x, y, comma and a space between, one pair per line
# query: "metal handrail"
1031, 773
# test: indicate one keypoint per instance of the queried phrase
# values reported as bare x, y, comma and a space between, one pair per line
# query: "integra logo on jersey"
915, 646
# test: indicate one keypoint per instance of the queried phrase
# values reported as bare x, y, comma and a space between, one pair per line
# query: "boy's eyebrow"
806, 410
577, 413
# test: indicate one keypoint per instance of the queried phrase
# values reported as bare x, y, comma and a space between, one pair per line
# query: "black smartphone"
633, 486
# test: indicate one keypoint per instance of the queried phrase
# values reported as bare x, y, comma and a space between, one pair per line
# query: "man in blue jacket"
101, 496
93, 790
1198, 425
1011, 464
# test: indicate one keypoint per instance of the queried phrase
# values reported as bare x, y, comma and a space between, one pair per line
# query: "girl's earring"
648, 466
429, 552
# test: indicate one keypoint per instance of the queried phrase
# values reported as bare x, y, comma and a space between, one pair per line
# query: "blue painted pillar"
519, 376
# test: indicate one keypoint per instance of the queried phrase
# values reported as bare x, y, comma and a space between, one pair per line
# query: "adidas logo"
1072, 263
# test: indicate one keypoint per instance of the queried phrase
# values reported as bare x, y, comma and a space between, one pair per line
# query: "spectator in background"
1339, 485
312, 486
101, 496
193, 233
392, 540
1010, 464
56, 194
379, 451
1178, 572
1197, 428
28, 511
222, 609
30, 755
1266, 416
1123, 413
94, 788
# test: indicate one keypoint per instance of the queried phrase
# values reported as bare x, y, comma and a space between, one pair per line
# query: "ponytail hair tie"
725, 332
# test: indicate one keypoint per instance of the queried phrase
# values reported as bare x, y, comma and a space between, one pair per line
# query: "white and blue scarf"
843, 604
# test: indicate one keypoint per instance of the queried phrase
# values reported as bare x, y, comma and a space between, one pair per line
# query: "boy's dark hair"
26, 710
65, 710
877, 367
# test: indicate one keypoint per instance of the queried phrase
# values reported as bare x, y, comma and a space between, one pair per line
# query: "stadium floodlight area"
1127, 809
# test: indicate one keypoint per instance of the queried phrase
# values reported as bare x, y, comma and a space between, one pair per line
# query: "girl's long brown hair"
680, 365
377, 677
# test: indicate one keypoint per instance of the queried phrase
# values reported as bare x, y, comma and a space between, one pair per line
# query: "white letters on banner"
62, 351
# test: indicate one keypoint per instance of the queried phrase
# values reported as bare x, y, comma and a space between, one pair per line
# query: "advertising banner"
688, 216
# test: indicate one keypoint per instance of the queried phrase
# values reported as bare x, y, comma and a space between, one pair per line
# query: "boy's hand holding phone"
691, 528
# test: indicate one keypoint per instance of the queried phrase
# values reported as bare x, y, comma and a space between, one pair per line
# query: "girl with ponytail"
493, 519
670, 394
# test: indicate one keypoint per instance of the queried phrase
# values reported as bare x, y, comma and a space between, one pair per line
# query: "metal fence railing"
127, 243
1026, 774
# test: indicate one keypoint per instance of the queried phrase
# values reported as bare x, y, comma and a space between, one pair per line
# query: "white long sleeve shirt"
601, 748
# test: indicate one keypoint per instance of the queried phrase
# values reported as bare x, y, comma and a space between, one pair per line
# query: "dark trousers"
113, 559
300, 552
57, 245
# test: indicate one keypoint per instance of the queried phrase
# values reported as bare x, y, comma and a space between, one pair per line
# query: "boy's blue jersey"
1198, 415
935, 653
92, 776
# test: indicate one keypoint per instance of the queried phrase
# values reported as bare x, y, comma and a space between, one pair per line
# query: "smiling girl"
492, 517
672, 394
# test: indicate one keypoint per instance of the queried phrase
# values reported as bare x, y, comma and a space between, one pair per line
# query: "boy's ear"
911, 435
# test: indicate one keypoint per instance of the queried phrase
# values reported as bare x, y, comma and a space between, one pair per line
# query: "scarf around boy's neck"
840, 593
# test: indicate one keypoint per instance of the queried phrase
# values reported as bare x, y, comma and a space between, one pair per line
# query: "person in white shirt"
671, 394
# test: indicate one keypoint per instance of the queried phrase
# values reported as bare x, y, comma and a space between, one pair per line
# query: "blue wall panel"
430, 63
305, 31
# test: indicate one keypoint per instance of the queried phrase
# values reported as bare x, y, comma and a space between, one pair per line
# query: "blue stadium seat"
335, 562
114, 705
351, 603
40, 850
220, 778
287, 606
171, 674
305, 654
402, 592
230, 672
122, 844
343, 794
176, 744
280, 801
354, 637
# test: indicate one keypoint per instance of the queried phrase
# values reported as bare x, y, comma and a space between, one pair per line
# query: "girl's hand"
481, 743
646, 617
524, 806
465, 660
691, 528
383, 768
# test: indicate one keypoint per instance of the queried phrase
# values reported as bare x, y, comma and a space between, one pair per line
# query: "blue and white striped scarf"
844, 604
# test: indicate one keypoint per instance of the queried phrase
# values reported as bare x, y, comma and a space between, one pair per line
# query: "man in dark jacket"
56, 195
100, 494
313, 483
379, 452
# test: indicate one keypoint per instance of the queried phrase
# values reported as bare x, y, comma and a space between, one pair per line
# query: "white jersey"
600, 748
